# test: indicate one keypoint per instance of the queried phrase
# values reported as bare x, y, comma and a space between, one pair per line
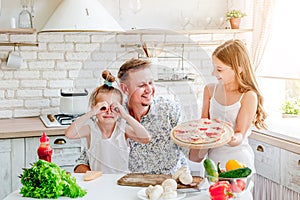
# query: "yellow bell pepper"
234, 164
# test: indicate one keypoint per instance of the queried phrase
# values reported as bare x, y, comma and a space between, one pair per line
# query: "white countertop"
105, 187
284, 128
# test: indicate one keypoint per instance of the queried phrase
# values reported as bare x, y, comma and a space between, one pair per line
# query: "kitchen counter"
105, 187
33, 127
282, 133
26, 127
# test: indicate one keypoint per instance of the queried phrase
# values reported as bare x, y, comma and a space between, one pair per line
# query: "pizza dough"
202, 133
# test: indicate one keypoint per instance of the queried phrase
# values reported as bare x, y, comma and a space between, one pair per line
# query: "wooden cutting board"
144, 180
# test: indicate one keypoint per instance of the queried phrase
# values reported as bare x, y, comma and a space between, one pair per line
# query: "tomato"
203, 128
211, 134
238, 185
241, 184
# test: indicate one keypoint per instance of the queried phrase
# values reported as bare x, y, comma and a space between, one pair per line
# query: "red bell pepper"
220, 190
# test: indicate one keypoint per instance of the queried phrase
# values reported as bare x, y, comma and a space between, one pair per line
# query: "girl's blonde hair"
105, 88
234, 54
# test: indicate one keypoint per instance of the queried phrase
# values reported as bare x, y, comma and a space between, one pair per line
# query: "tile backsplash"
75, 60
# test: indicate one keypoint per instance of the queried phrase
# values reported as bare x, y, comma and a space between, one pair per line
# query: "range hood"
81, 15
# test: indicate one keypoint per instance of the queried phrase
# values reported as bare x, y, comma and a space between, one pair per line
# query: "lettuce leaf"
47, 180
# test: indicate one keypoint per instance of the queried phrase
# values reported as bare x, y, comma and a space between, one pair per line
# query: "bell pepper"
220, 190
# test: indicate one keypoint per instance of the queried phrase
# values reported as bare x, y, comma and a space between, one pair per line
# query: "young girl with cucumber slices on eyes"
106, 130
235, 99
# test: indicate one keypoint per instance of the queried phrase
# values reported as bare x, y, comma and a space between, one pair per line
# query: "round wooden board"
224, 140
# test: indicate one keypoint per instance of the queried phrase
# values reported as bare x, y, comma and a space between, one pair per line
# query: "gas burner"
64, 119
58, 120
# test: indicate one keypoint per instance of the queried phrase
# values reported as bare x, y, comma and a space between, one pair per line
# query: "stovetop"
58, 120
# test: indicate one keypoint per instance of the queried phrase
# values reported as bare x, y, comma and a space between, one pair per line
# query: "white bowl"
238, 185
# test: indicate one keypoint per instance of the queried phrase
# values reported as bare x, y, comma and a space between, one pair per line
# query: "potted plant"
234, 17
291, 108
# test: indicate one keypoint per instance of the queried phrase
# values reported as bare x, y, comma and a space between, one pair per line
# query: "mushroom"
169, 194
169, 183
148, 191
186, 178
156, 192
179, 172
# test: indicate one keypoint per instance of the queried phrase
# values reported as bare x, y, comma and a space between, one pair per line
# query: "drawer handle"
260, 148
60, 141
298, 162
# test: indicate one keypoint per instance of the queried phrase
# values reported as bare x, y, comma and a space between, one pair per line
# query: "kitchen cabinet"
278, 172
290, 168
16, 154
12, 161
64, 154
267, 160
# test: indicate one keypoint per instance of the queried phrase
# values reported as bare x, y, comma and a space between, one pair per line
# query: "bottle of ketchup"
45, 151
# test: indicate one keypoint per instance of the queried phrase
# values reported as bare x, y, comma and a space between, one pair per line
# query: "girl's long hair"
234, 53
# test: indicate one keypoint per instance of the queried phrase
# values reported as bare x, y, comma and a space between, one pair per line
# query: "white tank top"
242, 152
109, 155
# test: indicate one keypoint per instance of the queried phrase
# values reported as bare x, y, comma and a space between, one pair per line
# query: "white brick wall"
76, 60
33, 84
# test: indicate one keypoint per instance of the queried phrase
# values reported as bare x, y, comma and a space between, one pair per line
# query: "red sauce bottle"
45, 151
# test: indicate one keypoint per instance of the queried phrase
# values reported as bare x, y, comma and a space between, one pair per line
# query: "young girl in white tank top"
242, 152
106, 130
235, 99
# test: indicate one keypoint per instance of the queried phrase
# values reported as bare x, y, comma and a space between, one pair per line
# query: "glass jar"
25, 18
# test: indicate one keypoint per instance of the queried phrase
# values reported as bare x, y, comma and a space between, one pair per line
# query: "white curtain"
265, 189
262, 24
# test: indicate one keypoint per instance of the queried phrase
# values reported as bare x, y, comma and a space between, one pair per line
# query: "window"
280, 67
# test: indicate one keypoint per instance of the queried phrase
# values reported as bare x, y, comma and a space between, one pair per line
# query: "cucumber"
219, 169
236, 173
211, 169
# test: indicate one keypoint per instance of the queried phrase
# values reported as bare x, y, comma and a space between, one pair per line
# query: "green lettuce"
47, 180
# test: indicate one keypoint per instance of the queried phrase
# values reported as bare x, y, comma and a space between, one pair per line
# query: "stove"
58, 120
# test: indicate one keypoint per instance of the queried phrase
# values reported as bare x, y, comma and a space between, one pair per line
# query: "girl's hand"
100, 107
218, 120
118, 109
236, 139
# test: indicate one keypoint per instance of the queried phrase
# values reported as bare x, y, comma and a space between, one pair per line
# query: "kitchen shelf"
16, 44
196, 31
171, 81
17, 31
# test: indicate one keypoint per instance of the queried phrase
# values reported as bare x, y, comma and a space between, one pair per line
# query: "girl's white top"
109, 155
242, 152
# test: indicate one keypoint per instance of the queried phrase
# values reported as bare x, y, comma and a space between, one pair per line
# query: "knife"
191, 190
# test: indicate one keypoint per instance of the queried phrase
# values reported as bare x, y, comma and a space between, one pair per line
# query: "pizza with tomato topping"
201, 131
